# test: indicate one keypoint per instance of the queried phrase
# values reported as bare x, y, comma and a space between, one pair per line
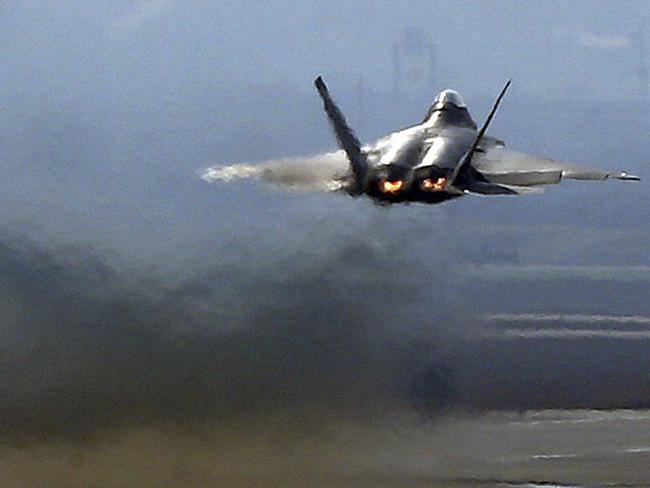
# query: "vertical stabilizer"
345, 137
461, 172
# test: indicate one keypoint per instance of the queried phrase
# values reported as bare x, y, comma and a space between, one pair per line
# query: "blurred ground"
543, 448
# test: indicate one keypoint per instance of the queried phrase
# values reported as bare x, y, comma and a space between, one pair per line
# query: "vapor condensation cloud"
322, 172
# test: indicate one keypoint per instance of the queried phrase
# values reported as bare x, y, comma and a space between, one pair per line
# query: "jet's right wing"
502, 166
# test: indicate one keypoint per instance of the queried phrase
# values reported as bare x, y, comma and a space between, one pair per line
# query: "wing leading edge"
500, 166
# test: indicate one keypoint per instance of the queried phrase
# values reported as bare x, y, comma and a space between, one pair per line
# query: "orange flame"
391, 186
430, 185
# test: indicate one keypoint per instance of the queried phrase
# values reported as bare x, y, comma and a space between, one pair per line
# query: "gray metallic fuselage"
420, 155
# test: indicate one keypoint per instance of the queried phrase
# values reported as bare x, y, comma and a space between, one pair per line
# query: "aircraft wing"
501, 166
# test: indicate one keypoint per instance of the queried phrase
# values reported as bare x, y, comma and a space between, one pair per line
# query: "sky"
586, 49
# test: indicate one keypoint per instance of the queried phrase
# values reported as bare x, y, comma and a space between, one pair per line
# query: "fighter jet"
443, 157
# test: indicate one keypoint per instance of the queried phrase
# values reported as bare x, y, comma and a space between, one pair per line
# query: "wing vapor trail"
324, 172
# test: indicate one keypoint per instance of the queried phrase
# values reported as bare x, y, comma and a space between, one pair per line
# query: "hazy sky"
589, 48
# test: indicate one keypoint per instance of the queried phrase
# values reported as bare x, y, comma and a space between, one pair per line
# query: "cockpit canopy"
449, 107
446, 98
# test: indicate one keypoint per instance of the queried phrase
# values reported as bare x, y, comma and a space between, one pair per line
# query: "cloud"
321, 172
604, 42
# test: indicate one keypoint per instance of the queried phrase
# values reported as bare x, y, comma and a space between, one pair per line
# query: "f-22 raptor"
444, 157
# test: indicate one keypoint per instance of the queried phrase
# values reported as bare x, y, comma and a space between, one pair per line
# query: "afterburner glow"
391, 186
433, 185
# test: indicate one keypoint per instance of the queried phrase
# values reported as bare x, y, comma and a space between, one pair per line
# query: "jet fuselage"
413, 164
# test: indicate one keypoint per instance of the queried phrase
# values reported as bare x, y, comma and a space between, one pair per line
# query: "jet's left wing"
500, 166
